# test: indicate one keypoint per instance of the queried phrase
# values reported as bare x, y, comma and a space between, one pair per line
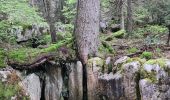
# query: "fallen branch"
133, 54
32, 65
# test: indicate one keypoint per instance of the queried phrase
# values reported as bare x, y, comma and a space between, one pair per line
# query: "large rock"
76, 81
94, 68
130, 73
28, 33
151, 91
110, 87
31, 85
53, 83
155, 82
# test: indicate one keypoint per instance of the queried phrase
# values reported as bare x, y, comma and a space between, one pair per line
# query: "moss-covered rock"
23, 56
161, 62
119, 34
96, 61
155, 70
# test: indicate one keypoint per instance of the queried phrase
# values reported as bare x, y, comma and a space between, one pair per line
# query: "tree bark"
87, 28
168, 35
129, 17
51, 11
122, 15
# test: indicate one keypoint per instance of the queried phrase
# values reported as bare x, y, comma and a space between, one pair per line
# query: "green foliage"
28, 55
161, 62
147, 55
119, 34
156, 29
69, 10
19, 12
45, 39
20, 15
2, 58
159, 11
132, 50
8, 90
106, 47
141, 15
153, 32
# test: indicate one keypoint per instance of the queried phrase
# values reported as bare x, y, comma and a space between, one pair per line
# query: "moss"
22, 55
107, 47
119, 34
152, 75
98, 61
161, 62
149, 75
2, 58
11, 88
147, 55
132, 50
28, 55
141, 61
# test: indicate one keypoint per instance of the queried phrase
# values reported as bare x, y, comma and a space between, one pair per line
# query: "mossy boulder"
119, 34
97, 61
25, 56
156, 70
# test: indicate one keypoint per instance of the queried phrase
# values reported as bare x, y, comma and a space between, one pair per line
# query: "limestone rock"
130, 76
151, 91
155, 82
53, 83
31, 84
94, 68
4, 75
76, 81
121, 60
110, 86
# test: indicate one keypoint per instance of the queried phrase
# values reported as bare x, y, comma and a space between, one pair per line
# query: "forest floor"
135, 47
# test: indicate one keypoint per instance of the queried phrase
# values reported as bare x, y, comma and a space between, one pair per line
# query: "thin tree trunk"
122, 15
129, 17
168, 36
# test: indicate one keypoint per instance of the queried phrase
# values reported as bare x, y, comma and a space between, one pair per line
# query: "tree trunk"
168, 35
51, 11
52, 6
122, 15
87, 28
129, 17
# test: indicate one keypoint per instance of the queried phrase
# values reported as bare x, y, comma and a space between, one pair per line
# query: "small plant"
132, 50
147, 55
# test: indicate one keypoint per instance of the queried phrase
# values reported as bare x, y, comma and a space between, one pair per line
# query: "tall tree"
87, 28
51, 11
129, 17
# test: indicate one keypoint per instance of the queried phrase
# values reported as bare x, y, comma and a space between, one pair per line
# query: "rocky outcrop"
130, 73
28, 33
31, 85
93, 68
110, 86
53, 83
75, 81
155, 84
134, 79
